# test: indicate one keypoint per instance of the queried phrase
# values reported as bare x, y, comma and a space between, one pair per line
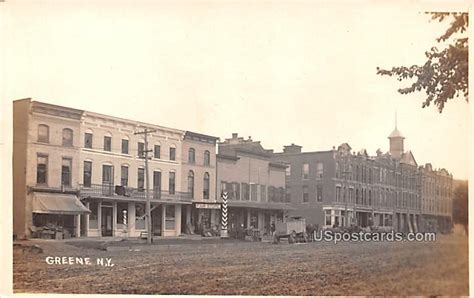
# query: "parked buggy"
294, 230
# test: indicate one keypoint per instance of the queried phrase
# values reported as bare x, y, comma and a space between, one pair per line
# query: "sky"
281, 72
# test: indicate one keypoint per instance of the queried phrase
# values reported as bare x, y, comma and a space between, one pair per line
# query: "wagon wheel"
292, 238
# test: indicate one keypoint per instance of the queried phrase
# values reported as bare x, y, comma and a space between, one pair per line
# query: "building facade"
85, 172
199, 180
343, 188
255, 184
46, 164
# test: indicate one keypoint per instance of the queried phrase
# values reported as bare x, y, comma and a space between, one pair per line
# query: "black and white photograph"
235, 148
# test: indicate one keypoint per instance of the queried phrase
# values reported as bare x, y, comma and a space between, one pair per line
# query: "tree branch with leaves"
444, 75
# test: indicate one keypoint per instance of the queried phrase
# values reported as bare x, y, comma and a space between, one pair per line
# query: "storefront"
56, 215
205, 217
121, 218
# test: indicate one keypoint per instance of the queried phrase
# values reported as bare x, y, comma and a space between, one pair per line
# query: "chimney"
235, 135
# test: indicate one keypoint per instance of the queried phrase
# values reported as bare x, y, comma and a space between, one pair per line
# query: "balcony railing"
117, 191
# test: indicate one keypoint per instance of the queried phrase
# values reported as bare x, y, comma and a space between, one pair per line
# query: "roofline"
213, 138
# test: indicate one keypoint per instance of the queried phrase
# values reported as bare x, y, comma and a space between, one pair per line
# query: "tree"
460, 205
444, 75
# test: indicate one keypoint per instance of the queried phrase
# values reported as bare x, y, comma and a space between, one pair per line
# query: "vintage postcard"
235, 147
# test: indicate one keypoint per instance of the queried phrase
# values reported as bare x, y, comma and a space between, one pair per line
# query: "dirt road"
250, 268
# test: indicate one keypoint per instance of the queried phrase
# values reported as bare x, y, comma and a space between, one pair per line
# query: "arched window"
207, 158
191, 155
67, 137
191, 183
206, 186
43, 133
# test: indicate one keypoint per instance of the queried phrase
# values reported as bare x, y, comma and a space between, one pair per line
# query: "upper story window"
66, 171
191, 155
125, 146
42, 169
43, 133
172, 153
108, 143
88, 140
87, 175
67, 137
206, 186
207, 158
157, 152
306, 171
288, 171
319, 170
305, 194
191, 183
141, 149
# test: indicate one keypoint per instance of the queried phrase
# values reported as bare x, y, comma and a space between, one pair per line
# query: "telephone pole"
147, 183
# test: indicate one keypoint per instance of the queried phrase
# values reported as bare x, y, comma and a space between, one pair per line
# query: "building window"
319, 170
66, 172
288, 194
125, 146
191, 183
108, 143
305, 194
327, 217
87, 174
245, 191
254, 219
236, 190
306, 171
207, 158
338, 193
43, 133
253, 192
337, 170
42, 169
67, 137
191, 155
172, 181
169, 217
141, 149
107, 174
172, 153
93, 216
206, 186
263, 193
88, 140
319, 193
124, 175
288, 171
141, 179
157, 152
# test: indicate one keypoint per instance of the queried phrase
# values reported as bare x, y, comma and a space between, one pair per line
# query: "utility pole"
147, 183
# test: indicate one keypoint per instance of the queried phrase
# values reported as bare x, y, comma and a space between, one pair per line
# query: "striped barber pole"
224, 214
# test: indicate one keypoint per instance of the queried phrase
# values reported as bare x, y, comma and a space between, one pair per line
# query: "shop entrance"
106, 220
156, 219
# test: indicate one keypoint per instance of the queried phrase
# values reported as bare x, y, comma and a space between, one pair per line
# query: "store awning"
57, 203
260, 205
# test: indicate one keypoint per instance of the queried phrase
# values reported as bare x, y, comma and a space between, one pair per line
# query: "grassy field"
251, 268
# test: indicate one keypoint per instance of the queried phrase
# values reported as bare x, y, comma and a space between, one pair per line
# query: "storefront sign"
208, 206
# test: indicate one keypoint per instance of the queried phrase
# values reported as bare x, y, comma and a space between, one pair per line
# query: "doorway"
156, 218
106, 220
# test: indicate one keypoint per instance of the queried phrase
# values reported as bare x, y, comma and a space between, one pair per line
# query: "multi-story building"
85, 172
46, 166
343, 188
254, 183
436, 198
199, 180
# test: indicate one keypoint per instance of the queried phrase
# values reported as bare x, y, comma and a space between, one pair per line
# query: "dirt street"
251, 268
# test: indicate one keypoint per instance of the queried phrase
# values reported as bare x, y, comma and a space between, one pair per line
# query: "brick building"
340, 187
95, 162
255, 184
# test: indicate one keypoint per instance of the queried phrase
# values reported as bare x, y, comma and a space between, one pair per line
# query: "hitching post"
224, 233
